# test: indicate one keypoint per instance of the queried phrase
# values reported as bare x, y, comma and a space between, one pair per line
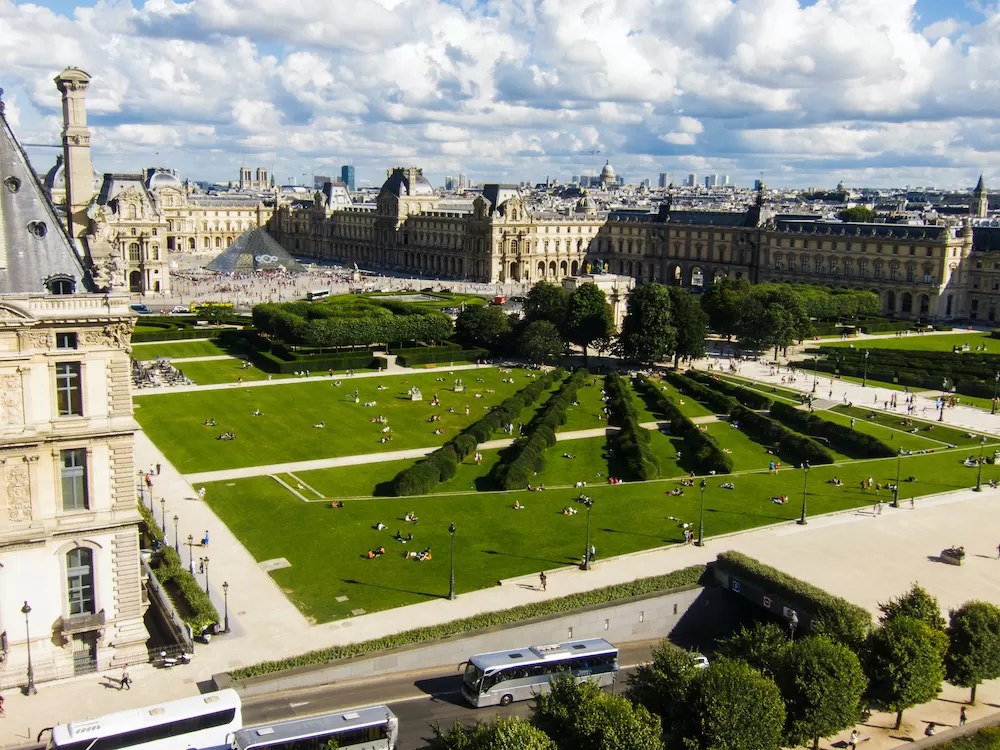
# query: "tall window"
69, 398
134, 253
74, 478
80, 581
878, 269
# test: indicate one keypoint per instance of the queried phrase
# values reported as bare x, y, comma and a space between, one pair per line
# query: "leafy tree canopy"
916, 603
588, 316
762, 646
503, 733
861, 214
482, 325
662, 685
546, 301
690, 322
540, 341
973, 645
647, 333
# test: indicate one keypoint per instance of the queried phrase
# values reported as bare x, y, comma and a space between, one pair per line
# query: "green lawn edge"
639, 587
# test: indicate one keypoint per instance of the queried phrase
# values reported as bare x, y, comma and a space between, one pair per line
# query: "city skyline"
807, 93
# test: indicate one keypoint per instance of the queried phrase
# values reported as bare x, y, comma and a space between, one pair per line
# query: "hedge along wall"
717, 402
442, 464
838, 618
744, 395
632, 440
527, 456
701, 453
843, 439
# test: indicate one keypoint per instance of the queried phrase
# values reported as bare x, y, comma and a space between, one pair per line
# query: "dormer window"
61, 285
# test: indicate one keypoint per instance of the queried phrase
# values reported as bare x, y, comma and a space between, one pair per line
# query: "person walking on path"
544, 579
126, 681
853, 741
962, 718
3, 714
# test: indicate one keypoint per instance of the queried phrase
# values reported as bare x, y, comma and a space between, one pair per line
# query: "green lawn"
224, 371
773, 392
590, 464
590, 412
685, 404
936, 431
175, 421
493, 541
176, 349
919, 342
894, 438
746, 454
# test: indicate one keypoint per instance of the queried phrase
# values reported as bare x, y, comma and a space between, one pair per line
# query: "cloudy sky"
809, 92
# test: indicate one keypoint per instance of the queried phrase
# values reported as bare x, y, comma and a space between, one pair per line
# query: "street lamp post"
805, 486
864, 380
815, 370
163, 513
30, 690
701, 515
793, 623
190, 545
177, 541
941, 407
451, 589
979, 475
206, 578
586, 550
895, 492
996, 382
225, 594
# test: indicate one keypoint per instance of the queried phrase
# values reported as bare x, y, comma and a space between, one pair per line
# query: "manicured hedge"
789, 445
432, 355
316, 365
744, 395
701, 453
853, 443
838, 618
198, 610
632, 440
639, 587
713, 399
442, 464
527, 455
882, 326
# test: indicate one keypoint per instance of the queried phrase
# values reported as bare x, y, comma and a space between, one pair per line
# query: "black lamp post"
206, 578
701, 515
979, 475
864, 380
815, 371
451, 589
941, 404
895, 492
190, 545
793, 623
805, 486
225, 594
163, 513
586, 550
30, 690
177, 541
996, 381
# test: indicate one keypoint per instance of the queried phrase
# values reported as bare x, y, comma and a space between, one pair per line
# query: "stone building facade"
70, 571
918, 272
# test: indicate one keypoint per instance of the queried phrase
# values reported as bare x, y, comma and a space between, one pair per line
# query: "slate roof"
985, 239
34, 245
862, 231
712, 218
255, 250
497, 194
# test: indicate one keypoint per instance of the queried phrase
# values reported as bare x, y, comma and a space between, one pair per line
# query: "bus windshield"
473, 677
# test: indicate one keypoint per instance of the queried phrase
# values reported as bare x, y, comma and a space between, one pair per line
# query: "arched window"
80, 581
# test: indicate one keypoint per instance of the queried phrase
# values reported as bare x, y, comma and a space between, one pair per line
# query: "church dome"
585, 205
608, 173
55, 178
162, 180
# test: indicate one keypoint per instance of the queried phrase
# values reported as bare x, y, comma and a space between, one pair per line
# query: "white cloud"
518, 87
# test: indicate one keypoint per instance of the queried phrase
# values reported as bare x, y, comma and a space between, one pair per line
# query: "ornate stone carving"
116, 335
37, 340
18, 491
11, 401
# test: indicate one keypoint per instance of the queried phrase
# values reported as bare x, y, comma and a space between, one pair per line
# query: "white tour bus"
205, 722
371, 728
506, 676
317, 294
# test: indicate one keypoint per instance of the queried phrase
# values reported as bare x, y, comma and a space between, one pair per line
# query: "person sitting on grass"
370, 555
227, 436
380, 551
780, 500
336, 504
380, 526
676, 492
211, 423
727, 486
319, 425
256, 413
424, 556
517, 505
410, 517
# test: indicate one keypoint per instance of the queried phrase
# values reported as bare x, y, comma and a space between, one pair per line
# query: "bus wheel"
507, 700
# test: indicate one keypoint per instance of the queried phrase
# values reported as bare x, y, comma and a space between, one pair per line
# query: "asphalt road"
419, 700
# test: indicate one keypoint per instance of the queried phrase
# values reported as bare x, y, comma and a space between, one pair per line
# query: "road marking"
299, 703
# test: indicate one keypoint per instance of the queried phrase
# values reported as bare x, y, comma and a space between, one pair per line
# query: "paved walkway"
211, 358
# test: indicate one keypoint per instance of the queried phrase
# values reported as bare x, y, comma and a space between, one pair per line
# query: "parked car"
141, 309
180, 310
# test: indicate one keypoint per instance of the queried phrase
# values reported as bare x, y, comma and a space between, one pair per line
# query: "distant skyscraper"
757, 184
711, 180
645, 183
347, 176
664, 179
449, 183
725, 179
692, 180
461, 181
319, 180
575, 178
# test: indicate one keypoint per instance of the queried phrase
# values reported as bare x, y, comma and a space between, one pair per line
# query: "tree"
662, 685
916, 603
580, 716
822, 683
762, 646
647, 332
690, 322
906, 663
540, 341
735, 707
482, 325
503, 733
588, 316
973, 645
861, 214
546, 301
722, 304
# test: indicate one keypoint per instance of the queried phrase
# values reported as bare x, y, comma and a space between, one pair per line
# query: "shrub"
632, 439
835, 617
791, 446
717, 402
843, 439
638, 587
744, 395
433, 355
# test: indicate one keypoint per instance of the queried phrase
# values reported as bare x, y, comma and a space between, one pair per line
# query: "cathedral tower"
72, 84
980, 200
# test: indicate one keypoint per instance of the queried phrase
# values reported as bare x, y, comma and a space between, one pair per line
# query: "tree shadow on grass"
393, 588
657, 537
523, 557
748, 514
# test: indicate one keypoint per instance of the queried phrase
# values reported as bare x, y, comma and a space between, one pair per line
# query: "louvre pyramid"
255, 250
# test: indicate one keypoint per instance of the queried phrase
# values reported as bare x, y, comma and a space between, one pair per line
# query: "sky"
806, 93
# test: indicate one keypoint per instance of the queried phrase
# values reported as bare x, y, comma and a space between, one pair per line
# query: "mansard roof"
712, 218
985, 239
34, 246
114, 184
863, 230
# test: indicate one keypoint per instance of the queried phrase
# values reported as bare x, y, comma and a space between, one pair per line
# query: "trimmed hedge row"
434, 356
843, 439
176, 334
887, 325
701, 453
632, 440
527, 456
441, 465
790, 445
198, 610
835, 617
744, 395
717, 402
358, 361
639, 587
